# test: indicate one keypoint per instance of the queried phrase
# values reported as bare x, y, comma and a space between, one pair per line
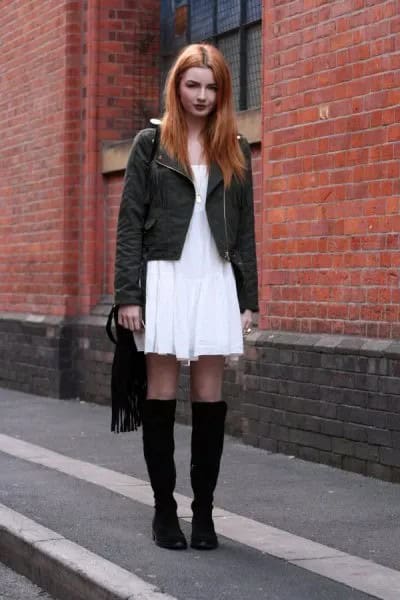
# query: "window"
234, 26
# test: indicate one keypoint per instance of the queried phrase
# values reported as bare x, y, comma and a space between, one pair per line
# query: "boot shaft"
158, 449
208, 420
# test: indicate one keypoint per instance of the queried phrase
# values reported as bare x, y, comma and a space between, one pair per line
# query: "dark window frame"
241, 30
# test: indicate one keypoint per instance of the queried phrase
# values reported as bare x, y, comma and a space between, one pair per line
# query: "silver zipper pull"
227, 255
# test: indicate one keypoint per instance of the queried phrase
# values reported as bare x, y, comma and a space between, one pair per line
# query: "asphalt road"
17, 587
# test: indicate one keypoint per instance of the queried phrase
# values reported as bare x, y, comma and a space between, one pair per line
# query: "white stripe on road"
64, 568
358, 573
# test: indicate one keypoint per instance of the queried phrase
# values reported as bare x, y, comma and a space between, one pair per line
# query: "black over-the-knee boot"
158, 446
208, 420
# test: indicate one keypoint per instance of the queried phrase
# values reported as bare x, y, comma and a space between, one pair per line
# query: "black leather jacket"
157, 204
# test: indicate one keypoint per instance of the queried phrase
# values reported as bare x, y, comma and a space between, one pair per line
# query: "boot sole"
201, 545
179, 545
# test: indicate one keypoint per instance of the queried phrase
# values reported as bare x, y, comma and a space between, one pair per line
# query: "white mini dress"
192, 307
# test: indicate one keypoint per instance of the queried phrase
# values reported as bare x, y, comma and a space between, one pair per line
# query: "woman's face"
198, 91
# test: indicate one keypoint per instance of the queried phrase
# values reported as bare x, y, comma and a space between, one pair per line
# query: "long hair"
220, 135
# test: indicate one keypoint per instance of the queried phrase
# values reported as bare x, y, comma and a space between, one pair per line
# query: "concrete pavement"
273, 502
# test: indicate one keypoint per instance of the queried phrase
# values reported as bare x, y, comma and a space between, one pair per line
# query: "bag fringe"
128, 378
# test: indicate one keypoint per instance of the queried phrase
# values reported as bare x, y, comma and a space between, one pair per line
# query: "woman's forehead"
199, 74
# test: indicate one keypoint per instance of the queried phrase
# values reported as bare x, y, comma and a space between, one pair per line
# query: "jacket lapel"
165, 159
214, 178
215, 175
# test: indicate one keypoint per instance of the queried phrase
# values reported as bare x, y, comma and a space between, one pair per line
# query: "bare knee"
206, 378
162, 377
205, 393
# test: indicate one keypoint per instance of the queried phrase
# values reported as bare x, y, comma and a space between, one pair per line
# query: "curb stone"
65, 569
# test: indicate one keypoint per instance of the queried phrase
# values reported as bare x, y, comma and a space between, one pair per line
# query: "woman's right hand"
130, 317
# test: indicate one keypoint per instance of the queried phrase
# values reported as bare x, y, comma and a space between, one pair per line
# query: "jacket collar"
215, 174
214, 177
165, 159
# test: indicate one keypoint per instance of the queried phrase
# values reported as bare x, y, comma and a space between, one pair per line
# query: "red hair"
220, 135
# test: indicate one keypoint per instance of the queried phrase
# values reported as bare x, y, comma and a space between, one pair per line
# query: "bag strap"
156, 141
112, 315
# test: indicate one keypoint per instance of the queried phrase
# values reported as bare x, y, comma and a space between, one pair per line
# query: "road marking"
361, 574
39, 553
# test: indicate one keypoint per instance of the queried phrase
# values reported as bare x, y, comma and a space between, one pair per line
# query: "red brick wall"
330, 232
258, 212
36, 267
129, 47
74, 75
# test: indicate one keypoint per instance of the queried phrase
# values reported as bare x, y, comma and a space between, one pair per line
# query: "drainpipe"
91, 217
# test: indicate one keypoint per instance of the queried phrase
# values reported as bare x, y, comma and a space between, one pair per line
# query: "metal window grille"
234, 26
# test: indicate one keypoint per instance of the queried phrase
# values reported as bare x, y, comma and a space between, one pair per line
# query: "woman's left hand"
247, 321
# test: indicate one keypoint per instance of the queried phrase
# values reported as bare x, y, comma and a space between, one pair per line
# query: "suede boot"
158, 447
208, 420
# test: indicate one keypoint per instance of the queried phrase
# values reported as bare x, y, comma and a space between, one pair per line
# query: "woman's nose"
202, 94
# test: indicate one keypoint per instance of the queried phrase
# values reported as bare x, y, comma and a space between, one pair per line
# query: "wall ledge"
326, 343
114, 155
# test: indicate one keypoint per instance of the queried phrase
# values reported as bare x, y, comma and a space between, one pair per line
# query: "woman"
186, 238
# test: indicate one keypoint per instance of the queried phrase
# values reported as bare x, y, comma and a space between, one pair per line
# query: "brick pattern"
329, 399
257, 195
36, 137
75, 75
94, 359
332, 400
330, 237
128, 83
39, 356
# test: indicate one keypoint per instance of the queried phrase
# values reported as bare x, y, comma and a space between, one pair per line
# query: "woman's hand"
247, 321
130, 317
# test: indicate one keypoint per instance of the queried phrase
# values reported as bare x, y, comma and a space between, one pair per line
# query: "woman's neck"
195, 140
195, 126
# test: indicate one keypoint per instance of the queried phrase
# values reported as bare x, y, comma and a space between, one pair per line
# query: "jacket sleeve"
128, 258
246, 239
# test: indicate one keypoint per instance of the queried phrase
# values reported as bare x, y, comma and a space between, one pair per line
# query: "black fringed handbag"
128, 371
128, 377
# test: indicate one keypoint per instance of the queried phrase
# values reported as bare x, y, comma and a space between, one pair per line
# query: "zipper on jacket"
176, 171
226, 254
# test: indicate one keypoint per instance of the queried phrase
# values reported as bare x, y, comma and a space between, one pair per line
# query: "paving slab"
117, 529
352, 513
355, 572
